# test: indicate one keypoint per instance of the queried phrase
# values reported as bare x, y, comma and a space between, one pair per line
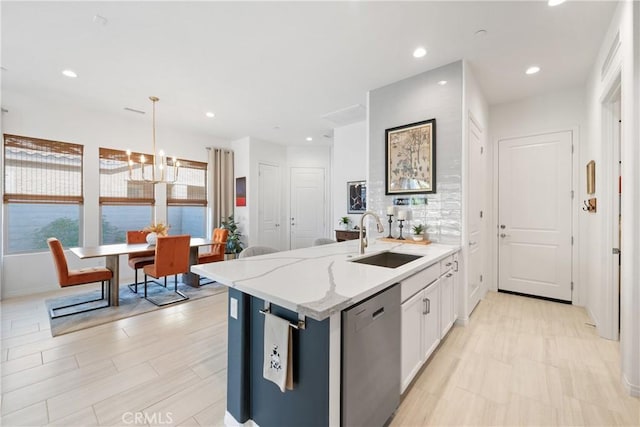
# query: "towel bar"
301, 322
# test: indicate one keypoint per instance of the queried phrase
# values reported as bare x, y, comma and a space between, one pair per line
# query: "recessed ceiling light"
70, 73
442, 82
210, 114
419, 52
309, 139
533, 69
555, 2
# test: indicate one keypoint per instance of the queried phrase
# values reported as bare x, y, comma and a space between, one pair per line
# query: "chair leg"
175, 283
165, 281
136, 284
145, 285
102, 285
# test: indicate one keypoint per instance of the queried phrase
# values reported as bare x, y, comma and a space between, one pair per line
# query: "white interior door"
477, 234
534, 202
269, 202
308, 206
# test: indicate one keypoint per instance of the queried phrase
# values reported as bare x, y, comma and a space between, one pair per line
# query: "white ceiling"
261, 65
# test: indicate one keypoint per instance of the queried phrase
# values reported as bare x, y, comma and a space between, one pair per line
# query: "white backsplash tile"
408, 101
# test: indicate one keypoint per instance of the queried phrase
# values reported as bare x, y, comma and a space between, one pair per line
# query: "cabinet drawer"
446, 264
418, 281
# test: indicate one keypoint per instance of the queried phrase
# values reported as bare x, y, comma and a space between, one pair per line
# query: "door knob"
502, 226
503, 235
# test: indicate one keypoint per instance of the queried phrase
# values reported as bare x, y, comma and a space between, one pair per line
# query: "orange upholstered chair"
171, 258
216, 253
81, 276
140, 259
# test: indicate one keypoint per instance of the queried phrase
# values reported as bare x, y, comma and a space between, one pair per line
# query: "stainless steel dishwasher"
371, 360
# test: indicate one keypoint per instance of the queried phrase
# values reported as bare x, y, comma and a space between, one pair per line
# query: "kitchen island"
312, 287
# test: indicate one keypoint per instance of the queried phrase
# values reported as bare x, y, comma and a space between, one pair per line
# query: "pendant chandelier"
160, 171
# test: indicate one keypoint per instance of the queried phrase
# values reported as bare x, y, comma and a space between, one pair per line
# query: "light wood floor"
520, 362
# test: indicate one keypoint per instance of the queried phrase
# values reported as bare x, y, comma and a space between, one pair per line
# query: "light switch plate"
233, 308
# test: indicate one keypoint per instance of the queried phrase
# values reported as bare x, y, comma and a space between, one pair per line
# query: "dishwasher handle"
377, 313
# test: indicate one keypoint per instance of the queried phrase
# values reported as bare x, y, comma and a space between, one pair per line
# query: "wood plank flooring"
521, 361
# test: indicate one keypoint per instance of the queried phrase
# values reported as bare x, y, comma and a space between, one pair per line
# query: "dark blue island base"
250, 396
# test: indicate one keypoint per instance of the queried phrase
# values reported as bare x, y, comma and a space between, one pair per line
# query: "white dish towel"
278, 366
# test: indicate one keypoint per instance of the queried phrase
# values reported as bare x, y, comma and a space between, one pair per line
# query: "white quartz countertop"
320, 280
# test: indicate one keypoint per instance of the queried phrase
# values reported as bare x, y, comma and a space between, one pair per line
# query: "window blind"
114, 186
191, 186
42, 171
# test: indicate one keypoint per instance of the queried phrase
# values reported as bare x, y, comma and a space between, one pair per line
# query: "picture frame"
410, 159
591, 177
356, 197
241, 191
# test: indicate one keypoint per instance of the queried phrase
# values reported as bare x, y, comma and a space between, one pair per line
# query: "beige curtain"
221, 184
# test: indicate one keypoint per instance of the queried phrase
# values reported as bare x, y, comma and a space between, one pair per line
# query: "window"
124, 205
42, 192
187, 199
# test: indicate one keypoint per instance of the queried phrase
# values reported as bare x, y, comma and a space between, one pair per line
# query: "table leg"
113, 264
190, 278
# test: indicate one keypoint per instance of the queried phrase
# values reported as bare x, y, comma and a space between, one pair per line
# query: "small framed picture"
356, 197
241, 191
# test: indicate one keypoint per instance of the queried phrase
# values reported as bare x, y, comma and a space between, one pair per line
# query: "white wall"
474, 105
349, 164
625, 65
412, 100
556, 111
242, 167
57, 120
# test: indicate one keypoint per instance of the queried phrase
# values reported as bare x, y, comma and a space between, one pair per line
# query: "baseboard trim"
561, 301
462, 322
13, 293
632, 389
230, 421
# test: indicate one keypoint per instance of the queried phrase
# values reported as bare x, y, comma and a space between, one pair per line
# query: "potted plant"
234, 244
344, 222
418, 232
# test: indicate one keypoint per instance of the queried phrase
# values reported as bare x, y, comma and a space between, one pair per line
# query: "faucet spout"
361, 238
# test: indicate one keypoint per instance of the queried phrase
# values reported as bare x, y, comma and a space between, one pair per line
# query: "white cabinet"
431, 330
447, 298
420, 330
429, 309
411, 340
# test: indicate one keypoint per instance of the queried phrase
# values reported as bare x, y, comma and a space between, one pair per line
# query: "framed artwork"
411, 158
241, 191
356, 197
591, 177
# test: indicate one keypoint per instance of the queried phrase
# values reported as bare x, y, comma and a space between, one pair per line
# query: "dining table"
112, 252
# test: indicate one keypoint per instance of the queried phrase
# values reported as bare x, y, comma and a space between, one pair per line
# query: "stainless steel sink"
388, 259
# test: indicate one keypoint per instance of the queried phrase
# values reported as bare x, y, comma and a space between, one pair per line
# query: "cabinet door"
446, 304
411, 344
431, 317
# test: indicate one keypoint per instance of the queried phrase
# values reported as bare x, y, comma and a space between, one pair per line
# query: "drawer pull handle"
448, 264
427, 306
450, 274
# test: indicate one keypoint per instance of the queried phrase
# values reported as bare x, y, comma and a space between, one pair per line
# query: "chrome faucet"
363, 240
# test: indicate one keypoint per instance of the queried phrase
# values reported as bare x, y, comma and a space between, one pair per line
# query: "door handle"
503, 235
502, 226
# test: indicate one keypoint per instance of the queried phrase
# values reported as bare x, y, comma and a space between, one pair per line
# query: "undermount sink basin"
388, 259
